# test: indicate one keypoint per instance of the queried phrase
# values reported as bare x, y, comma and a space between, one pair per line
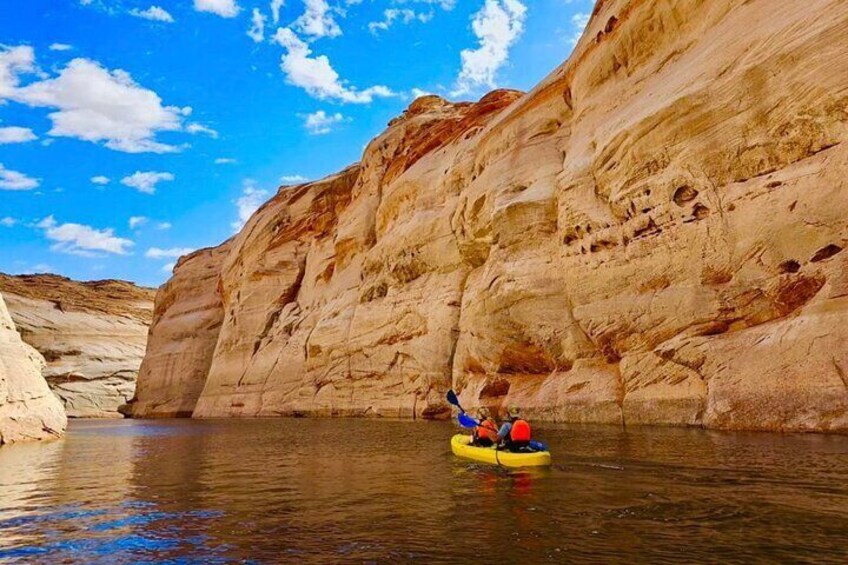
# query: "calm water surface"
331, 491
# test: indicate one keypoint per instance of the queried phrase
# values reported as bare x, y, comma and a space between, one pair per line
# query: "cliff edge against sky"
655, 234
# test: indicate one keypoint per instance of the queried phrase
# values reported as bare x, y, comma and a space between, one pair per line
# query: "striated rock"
28, 410
653, 235
187, 317
92, 335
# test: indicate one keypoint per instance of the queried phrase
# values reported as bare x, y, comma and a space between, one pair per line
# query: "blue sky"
132, 131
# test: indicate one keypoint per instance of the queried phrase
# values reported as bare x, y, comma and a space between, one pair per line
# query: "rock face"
653, 235
92, 334
28, 410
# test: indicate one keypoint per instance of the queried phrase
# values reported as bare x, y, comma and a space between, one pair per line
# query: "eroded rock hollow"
654, 234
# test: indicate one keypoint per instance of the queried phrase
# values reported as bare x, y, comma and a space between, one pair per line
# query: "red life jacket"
520, 431
487, 430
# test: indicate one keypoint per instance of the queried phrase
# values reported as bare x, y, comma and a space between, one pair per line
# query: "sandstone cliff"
92, 334
28, 410
653, 235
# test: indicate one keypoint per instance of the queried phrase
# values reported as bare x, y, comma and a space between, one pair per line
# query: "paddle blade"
452, 399
466, 421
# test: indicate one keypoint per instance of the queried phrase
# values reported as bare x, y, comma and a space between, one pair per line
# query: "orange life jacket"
520, 431
487, 429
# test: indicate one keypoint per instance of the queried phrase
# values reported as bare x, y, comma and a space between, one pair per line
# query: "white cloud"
172, 253
316, 75
79, 239
13, 180
320, 123
225, 161
404, 15
418, 93
250, 200
579, 21
154, 13
293, 179
137, 221
98, 105
8, 222
146, 181
223, 8
169, 267
317, 20
275, 10
13, 62
100, 179
163, 226
15, 134
257, 27
497, 26
195, 128
60, 47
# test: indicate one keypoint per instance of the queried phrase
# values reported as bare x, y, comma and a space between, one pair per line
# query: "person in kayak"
486, 434
515, 434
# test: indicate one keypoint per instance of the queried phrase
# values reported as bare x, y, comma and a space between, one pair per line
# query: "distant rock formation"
92, 335
654, 234
28, 410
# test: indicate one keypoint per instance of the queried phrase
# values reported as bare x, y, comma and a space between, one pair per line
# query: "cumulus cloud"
293, 179
315, 74
154, 13
172, 253
137, 221
169, 267
79, 239
320, 123
14, 61
223, 8
98, 105
163, 226
60, 47
13, 180
250, 200
317, 20
275, 10
225, 161
8, 222
146, 181
100, 179
257, 26
15, 134
497, 26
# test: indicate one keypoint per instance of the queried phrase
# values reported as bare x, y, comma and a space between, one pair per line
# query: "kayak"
461, 448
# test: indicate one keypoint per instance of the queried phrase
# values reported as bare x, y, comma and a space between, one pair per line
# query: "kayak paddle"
467, 421
452, 399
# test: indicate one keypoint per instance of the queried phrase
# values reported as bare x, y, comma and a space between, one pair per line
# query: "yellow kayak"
461, 448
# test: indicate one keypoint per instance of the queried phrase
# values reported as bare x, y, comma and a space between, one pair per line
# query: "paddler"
486, 433
514, 434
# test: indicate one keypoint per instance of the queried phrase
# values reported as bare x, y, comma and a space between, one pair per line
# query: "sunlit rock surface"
92, 335
28, 410
655, 234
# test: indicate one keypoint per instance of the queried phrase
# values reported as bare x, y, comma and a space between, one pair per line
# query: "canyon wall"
28, 410
654, 234
92, 335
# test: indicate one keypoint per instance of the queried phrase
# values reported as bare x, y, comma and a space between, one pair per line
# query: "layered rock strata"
92, 335
28, 410
654, 234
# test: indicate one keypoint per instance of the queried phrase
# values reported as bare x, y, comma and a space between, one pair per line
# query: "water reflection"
267, 491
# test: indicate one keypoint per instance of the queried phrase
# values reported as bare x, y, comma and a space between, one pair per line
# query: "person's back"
485, 434
515, 434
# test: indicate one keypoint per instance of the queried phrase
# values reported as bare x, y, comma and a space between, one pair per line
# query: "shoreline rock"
654, 234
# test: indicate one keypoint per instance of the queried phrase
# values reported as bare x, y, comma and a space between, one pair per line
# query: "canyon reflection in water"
268, 491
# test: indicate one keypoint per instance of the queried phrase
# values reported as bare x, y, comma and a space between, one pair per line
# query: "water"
337, 491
